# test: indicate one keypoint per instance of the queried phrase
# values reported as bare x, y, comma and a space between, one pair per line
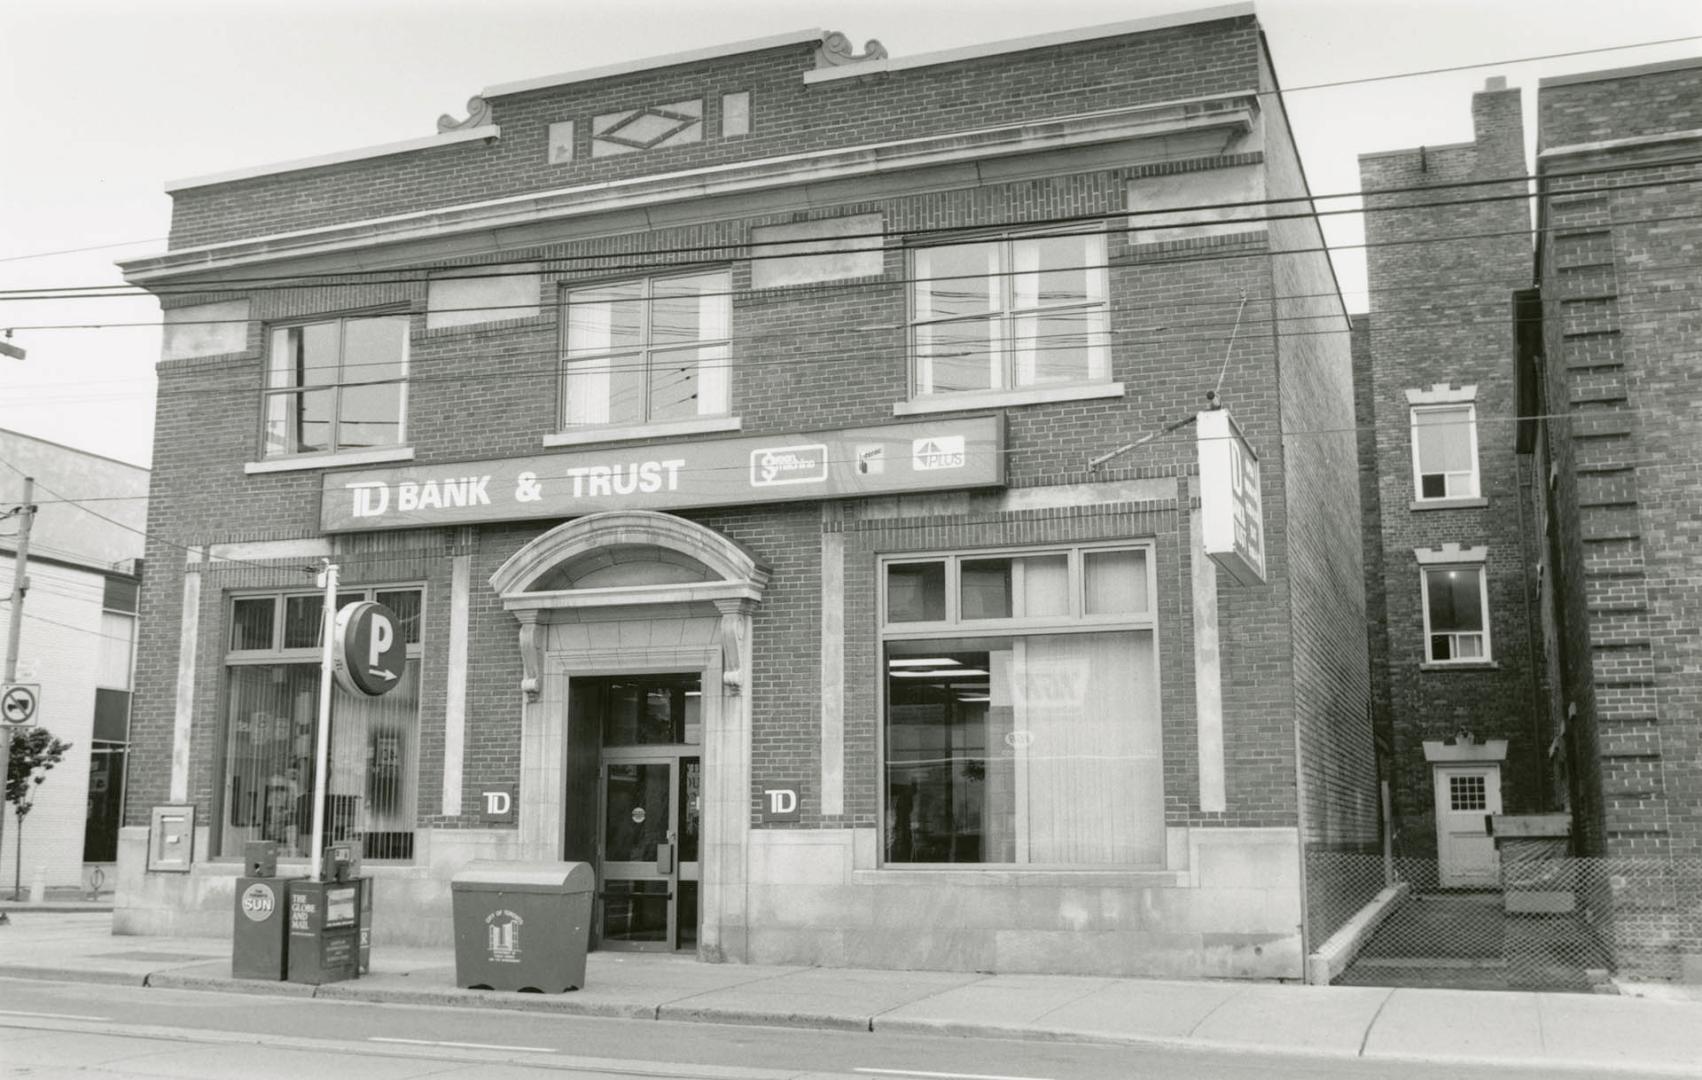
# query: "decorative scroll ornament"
531, 654
478, 115
735, 626
835, 51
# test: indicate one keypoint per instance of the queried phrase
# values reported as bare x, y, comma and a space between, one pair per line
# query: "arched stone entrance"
630, 592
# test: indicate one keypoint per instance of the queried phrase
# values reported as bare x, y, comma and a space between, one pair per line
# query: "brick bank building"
724, 429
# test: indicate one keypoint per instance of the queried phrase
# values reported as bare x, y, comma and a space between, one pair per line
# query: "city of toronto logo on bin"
259, 901
503, 936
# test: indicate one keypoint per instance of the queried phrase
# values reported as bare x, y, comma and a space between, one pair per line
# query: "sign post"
20, 587
322, 745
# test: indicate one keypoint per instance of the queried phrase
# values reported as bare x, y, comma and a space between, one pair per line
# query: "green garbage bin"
522, 925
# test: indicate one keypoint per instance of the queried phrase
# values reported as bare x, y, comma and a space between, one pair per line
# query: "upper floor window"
340, 384
1444, 451
1009, 313
1456, 615
647, 351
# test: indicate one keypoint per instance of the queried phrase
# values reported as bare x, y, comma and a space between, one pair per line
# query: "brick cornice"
1115, 138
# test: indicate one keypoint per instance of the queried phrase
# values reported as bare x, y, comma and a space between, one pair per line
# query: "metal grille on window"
270, 733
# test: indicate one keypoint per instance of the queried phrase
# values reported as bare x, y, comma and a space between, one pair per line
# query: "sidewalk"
1574, 1032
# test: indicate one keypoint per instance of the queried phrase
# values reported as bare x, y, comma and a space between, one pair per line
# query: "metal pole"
1388, 838
20, 586
322, 745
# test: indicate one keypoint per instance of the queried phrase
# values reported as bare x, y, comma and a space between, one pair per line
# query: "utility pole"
20, 586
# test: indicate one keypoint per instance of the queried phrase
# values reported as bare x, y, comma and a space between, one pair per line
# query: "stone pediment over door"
609, 565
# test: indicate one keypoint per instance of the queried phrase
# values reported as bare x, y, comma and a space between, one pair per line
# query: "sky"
103, 103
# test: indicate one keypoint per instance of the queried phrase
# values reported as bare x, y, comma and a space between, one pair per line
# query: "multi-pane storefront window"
272, 707
1022, 711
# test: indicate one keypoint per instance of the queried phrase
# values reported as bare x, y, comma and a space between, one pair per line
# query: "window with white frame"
1456, 615
272, 665
336, 384
1022, 720
1444, 451
647, 351
1009, 313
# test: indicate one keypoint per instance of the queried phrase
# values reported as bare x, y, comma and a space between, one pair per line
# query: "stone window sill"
587, 435
1474, 665
994, 399
303, 462
1449, 504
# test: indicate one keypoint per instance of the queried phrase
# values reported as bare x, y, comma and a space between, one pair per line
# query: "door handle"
664, 858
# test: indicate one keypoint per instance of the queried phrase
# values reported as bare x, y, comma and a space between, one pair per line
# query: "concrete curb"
558, 1004
761, 1018
170, 980
44, 974
1335, 955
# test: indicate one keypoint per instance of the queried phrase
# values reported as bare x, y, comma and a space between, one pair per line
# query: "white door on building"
1465, 797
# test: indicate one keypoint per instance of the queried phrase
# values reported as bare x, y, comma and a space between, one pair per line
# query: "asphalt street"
96, 1032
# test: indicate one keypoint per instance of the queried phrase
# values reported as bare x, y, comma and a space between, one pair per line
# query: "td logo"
780, 802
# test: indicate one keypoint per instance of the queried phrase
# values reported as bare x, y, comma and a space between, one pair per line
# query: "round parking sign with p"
368, 649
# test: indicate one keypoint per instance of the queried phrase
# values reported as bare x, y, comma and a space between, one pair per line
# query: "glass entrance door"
651, 815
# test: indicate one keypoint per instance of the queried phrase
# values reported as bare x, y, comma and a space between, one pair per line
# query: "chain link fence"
1555, 923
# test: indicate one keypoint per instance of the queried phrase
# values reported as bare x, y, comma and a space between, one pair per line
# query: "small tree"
34, 754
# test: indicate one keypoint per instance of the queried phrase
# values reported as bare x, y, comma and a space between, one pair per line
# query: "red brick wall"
816, 357
1335, 751
1441, 279
787, 117
1626, 369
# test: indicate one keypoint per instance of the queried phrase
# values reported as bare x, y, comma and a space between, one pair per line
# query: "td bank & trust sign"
890, 459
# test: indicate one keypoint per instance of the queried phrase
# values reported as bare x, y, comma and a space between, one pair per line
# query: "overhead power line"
749, 250
1282, 91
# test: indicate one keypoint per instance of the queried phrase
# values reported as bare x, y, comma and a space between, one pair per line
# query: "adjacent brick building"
1582, 379
1615, 393
743, 441
1457, 685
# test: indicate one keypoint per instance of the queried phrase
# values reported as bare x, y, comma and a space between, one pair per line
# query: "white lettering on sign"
383, 636
436, 495
638, 477
939, 452
498, 803
258, 902
371, 497
782, 801
806, 464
